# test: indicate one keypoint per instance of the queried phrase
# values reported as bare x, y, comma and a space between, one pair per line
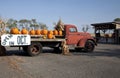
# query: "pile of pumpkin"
46, 33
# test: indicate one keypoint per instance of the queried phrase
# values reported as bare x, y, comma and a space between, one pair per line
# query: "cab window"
72, 30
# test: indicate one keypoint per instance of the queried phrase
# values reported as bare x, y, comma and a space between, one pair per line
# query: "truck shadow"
98, 52
22, 53
101, 52
16, 52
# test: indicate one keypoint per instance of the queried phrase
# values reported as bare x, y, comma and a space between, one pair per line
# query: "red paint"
76, 38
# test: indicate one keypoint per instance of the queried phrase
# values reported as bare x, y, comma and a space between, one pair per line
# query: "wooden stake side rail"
40, 38
47, 40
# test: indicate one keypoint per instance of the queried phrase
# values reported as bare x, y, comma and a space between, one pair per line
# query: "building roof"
105, 25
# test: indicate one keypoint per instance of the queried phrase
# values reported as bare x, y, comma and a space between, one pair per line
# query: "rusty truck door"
72, 37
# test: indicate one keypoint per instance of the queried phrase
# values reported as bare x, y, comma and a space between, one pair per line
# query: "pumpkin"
19, 32
50, 32
38, 32
55, 32
50, 36
60, 33
44, 32
24, 31
14, 31
32, 32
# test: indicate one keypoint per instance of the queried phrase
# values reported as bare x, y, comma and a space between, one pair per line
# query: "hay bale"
65, 49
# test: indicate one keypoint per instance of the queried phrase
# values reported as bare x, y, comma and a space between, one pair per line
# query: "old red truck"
71, 37
80, 40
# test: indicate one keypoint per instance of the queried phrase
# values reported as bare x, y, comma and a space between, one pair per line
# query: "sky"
76, 12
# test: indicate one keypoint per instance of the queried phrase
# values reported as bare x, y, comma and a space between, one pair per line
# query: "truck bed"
39, 38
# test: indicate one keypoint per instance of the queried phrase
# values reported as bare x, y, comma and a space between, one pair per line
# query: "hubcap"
35, 49
89, 46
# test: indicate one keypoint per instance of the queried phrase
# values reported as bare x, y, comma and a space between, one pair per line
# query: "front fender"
82, 42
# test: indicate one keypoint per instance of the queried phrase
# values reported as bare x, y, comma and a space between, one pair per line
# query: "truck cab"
80, 40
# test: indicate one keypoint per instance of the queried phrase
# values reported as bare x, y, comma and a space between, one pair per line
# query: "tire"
34, 49
2, 51
89, 46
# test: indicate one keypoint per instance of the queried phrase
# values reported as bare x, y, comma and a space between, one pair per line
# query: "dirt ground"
104, 62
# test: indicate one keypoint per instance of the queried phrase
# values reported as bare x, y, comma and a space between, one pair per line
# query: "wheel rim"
35, 49
89, 46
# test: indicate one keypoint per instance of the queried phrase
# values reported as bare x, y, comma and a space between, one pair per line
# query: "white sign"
15, 40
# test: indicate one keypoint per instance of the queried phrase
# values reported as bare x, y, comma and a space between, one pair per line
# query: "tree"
25, 23
11, 23
2, 27
117, 19
34, 23
43, 26
85, 28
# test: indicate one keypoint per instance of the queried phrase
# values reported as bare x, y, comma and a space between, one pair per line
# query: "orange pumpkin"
60, 33
14, 31
38, 32
50, 32
44, 32
24, 31
32, 32
55, 32
19, 32
49, 36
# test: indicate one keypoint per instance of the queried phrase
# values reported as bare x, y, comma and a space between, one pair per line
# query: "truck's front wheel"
34, 49
89, 46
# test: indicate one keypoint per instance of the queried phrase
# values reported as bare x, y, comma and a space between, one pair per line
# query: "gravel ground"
103, 63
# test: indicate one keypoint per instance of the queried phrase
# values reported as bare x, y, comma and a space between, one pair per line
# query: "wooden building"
107, 32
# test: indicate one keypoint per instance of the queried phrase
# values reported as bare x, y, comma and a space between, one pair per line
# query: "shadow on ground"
22, 53
98, 52
102, 52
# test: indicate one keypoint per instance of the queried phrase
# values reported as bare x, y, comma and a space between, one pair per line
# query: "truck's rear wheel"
89, 46
34, 49
2, 51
